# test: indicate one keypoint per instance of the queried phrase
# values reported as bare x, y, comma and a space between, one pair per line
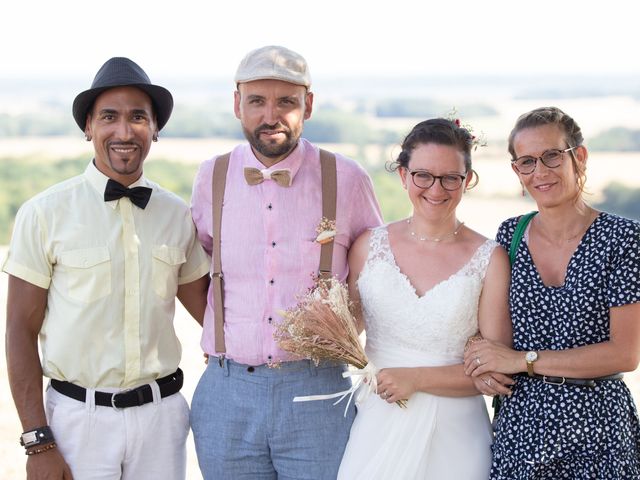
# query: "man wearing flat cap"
95, 265
279, 213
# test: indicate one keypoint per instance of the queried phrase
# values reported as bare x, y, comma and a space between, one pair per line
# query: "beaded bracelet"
35, 451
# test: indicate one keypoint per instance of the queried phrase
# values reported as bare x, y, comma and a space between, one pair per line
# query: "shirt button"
272, 281
250, 369
269, 357
273, 244
270, 319
270, 206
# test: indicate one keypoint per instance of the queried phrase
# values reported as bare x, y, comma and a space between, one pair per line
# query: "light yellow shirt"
112, 271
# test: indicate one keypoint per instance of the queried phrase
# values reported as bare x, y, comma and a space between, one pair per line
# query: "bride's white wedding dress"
435, 437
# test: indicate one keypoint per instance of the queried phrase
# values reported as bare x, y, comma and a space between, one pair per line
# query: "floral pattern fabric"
547, 431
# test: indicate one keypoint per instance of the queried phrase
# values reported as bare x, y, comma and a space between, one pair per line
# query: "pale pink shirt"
269, 253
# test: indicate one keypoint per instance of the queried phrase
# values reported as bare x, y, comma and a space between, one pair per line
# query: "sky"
190, 38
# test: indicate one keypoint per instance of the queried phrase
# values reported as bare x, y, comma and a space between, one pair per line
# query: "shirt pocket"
87, 272
166, 267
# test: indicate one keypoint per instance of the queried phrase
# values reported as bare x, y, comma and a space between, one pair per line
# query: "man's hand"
48, 465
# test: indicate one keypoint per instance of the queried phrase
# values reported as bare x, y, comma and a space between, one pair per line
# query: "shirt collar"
98, 181
292, 162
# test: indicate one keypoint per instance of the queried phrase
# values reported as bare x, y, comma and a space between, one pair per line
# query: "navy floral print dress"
559, 432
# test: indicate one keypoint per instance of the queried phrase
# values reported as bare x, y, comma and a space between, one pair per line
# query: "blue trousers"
247, 427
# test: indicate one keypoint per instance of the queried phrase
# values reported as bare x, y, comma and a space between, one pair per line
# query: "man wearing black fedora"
95, 265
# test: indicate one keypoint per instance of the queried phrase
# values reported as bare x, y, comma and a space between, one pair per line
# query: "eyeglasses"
423, 179
551, 159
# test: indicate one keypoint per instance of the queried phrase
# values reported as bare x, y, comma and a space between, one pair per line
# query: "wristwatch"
36, 437
530, 357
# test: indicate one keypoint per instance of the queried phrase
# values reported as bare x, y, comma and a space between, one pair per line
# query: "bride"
423, 286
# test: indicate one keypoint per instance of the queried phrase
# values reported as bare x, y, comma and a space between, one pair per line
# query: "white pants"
101, 443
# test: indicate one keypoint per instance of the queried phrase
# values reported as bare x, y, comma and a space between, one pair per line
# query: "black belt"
583, 382
127, 398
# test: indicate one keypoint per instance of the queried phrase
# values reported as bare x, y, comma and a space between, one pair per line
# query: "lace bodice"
438, 322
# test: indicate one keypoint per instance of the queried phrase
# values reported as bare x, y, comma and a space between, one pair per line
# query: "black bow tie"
138, 195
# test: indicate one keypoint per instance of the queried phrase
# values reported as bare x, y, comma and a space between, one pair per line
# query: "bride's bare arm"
357, 257
494, 320
493, 308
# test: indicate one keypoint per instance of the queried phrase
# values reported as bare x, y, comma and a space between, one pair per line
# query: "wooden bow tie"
254, 176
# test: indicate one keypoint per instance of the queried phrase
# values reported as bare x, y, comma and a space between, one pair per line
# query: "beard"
272, 148
125, 164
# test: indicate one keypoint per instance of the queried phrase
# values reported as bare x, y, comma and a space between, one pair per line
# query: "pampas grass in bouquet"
322, 327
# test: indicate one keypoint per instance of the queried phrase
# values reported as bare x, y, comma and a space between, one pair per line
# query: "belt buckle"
113, 398
544, 380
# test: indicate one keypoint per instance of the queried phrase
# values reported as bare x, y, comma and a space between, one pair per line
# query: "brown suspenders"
219, 182
329, 194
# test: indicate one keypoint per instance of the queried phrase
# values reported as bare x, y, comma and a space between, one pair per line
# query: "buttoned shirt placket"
130, 243
271, 264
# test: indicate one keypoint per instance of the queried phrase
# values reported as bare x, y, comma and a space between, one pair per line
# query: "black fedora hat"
122, 72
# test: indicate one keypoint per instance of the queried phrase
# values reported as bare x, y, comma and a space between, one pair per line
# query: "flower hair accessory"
475, 140
326, 231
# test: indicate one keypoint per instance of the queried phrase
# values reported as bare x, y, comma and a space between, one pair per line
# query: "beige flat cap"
274, 63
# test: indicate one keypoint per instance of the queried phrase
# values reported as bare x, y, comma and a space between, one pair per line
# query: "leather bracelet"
37, 436
46, 448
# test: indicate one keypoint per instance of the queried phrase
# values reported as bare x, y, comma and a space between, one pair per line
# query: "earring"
87, 137
524, 193
155, 137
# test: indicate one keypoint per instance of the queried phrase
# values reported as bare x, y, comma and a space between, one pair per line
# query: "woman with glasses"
424, 285
575, 307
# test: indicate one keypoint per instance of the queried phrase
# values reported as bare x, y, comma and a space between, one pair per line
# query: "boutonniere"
326, 231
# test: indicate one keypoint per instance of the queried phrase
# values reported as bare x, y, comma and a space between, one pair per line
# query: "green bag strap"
517, 235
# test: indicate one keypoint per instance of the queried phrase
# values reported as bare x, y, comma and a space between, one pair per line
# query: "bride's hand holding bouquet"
322, 327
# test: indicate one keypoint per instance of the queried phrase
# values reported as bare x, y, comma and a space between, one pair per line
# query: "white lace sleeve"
480, 261
379, 246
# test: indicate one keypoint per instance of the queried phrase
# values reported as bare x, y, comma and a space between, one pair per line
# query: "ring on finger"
478, 360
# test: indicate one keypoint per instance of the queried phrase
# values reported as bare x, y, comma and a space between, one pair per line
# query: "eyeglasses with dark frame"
551, 159
424, 179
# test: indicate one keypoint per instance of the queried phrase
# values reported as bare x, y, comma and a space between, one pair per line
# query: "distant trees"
201, 122
337, 126
618, 139
41, 124
330, 123
621, 200
425, 108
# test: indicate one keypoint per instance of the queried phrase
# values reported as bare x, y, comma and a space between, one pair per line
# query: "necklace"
434, 239
581, 231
